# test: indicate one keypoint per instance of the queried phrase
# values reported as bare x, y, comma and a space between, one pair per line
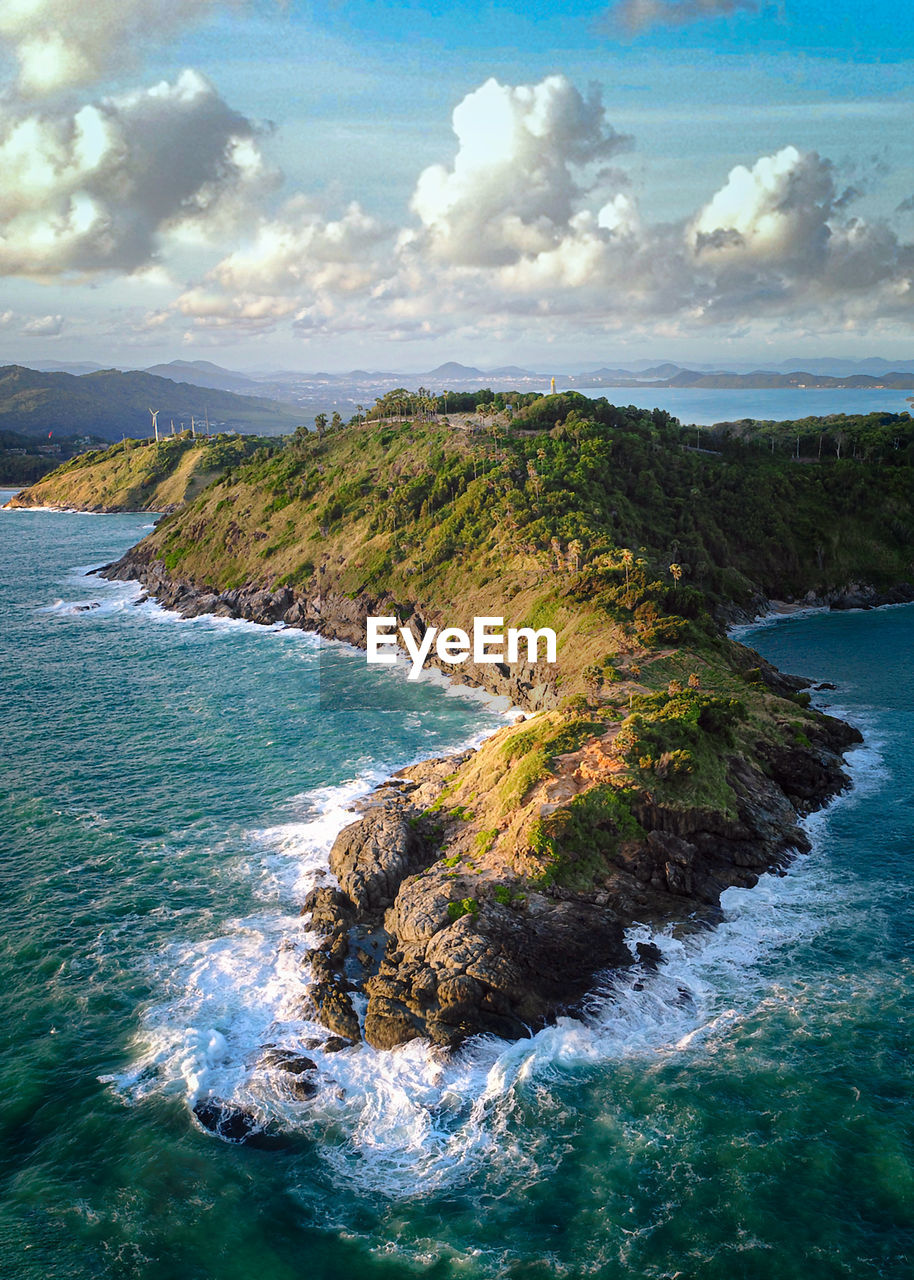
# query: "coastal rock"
235, 1125
500, 969
329, 909
455, 959
299, 1072
334, 1009
373, 856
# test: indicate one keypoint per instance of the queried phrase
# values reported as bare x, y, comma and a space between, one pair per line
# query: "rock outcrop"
414, 945
330, 614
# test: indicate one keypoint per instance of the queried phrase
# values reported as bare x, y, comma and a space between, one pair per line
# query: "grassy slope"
137, 476
535, 526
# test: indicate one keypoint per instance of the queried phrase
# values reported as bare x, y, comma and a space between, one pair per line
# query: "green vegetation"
137, 475
604, 523
465, 907
886, 438
578, 841
24, 459
111, 404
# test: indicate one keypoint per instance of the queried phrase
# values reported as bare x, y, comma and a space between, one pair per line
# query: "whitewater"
171, 791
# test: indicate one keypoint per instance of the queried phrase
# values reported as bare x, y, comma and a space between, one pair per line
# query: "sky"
287, 185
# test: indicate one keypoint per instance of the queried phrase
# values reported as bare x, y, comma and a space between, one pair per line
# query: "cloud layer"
62, 43
529, 228
93, 189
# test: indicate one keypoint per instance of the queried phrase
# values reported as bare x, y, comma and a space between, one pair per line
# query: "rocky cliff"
476, 894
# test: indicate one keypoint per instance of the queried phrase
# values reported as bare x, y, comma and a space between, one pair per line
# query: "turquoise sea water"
704, 405
169, 791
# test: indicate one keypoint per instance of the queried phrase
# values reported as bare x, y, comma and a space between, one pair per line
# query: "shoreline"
388, 868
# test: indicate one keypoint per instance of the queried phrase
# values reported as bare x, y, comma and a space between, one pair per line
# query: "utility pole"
155, 422
193, 429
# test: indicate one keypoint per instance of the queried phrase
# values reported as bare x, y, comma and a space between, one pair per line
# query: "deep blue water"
169, 792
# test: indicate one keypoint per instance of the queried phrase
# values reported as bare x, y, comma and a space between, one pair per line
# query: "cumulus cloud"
778, 236
92, 190
59, 43
526, 156
778, 211
529, 227
43, 327
292, 261
636, 15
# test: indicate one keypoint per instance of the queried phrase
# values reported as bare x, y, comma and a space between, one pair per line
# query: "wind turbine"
155, 422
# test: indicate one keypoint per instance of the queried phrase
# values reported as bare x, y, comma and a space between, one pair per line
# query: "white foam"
772, 618
406, 1119
397, 1120
227, 996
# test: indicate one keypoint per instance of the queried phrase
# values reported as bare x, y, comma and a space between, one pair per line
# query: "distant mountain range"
110, 404
86, 400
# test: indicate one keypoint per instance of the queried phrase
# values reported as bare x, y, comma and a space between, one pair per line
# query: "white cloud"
302, 249
526, 231
93, 190
526, 156
636, 15
778, 212
43, 327
298, 260
778, 237
62, 43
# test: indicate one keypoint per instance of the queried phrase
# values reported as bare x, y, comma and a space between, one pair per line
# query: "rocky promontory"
474, 895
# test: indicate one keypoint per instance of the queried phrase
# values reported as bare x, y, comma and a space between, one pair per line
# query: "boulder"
373, 856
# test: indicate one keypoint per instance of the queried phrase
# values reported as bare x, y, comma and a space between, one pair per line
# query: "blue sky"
301, 198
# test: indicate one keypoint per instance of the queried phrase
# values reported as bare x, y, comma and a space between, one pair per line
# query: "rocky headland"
475, 895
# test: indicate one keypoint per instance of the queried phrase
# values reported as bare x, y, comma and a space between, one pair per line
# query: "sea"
704, 406
169, 793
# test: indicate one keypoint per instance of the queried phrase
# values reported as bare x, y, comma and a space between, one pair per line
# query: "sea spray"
412, 1116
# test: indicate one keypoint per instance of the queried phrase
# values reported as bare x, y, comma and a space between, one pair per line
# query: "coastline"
387, 865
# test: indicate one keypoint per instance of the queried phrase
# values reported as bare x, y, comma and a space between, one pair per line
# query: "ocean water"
706, 405
169, 792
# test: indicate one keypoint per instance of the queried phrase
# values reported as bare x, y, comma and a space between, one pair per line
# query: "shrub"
465, 907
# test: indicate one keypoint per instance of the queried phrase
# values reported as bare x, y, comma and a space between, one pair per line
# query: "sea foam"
412, 1118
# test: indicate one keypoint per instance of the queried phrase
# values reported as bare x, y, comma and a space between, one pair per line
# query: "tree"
320, 424
676, 571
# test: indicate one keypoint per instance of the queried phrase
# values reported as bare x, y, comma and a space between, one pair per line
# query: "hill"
111, 404
138, 475
203, 373
663, 761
